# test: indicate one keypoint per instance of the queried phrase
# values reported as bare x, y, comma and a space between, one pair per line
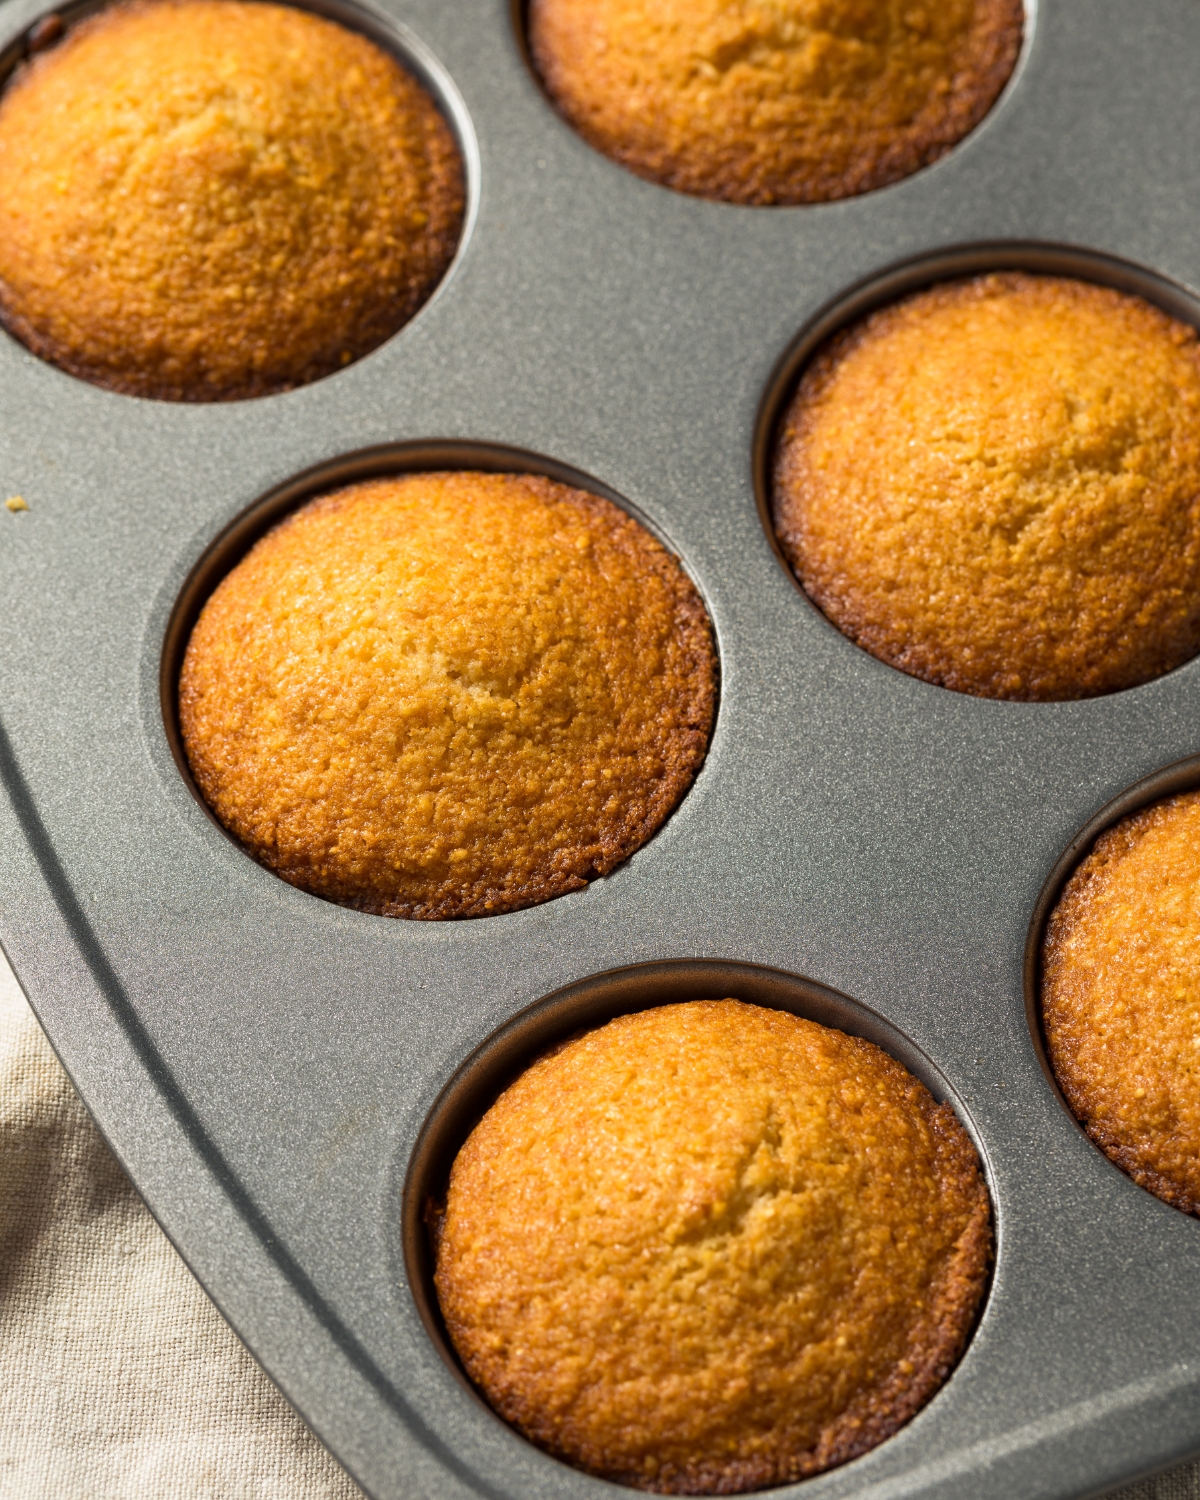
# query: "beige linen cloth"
119, 1380
118, 1377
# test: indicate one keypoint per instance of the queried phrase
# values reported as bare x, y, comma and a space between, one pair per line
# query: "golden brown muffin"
1121, 997
206, 199
995, 485
449, 695
710, 1248
774, 101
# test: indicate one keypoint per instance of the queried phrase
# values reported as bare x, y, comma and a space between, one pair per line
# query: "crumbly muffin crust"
1121, 997
787, 101
449, 694
994, 485
211, 199
710, 1248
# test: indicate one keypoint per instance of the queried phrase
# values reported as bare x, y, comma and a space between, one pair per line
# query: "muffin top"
209, 199
447, 695
789, 101
1121, 997
709, 1248
995, 485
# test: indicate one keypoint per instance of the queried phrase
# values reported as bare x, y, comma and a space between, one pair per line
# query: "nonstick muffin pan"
859, 846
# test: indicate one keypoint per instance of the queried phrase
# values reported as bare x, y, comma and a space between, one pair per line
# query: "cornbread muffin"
206, 199
449, 695
788, 101
995, 485
710, 1248
1121, 997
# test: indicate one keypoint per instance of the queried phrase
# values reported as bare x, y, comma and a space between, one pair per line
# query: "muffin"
710, 1248
775, 103
1121, 997
448, 695
994, 485
209, 199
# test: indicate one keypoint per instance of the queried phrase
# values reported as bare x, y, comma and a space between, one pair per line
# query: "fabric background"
118, 1377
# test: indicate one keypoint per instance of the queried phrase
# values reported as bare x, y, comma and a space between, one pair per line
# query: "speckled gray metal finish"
263, 1062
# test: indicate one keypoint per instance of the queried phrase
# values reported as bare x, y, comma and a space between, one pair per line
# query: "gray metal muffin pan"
264, 1062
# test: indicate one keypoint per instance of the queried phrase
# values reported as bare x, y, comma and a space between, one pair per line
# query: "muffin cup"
236, 540
899, 281
581, 1007
1170, 781
391, 37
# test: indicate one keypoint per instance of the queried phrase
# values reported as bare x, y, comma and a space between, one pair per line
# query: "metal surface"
263, 1062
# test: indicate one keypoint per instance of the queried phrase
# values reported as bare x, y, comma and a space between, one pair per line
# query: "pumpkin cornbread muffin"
787, 101
209, 199
1121, 997
995, 485
449, 695
710, 1247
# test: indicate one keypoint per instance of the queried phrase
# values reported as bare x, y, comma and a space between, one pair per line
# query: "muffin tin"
273, 1069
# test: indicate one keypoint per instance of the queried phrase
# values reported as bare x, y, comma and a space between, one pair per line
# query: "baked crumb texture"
994, 485
207, 199
449, 695
1121, 997
710, 1248
788, 101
